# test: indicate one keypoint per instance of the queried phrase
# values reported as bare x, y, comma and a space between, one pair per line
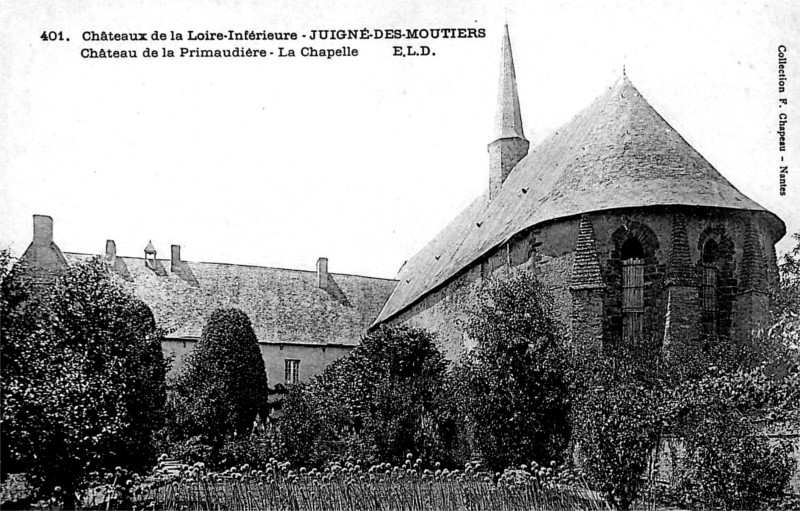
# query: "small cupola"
150, 260
149, 250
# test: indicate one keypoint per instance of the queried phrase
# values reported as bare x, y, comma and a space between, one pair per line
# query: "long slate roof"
616, 153
285, 306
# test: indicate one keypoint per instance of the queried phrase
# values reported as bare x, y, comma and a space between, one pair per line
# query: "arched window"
709, 287
632, 255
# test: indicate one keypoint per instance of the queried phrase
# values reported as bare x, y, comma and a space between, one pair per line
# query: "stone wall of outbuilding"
313, 358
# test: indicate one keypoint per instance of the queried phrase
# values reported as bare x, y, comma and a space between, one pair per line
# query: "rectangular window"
292, 371
632, 299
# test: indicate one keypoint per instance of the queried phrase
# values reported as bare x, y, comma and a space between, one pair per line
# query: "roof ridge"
239, 264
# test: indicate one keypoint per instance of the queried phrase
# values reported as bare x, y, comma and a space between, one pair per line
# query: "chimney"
322, 272
111, 252
43, 255
42, 230
175, 266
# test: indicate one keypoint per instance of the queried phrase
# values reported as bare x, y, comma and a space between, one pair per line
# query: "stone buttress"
587, 289
682, 321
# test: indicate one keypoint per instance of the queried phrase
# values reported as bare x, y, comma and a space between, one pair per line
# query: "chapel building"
634, 233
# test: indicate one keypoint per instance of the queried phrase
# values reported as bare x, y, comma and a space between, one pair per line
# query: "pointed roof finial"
508, 119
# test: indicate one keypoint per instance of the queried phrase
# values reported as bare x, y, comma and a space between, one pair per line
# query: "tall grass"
346, 486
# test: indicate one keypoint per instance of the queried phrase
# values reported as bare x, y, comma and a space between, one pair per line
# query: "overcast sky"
279, 161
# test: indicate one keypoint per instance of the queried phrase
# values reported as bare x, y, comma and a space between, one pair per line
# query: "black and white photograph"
379, 255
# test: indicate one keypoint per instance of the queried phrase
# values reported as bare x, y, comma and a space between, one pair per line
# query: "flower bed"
341, 486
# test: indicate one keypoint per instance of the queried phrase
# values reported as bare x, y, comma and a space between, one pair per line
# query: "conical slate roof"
617, 153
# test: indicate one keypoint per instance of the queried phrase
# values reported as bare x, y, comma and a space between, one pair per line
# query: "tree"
724, 412
722, 418
83, 380
786, 299
377, 403
616, 419
515, 394
223, 385
307, 426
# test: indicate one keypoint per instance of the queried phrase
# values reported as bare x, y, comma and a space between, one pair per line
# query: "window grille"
292, 371
632, 299
708, 289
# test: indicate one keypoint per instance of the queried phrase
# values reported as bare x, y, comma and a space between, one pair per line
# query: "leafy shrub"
302, 432
513, 393
724, 410
729, 463
378, 402
617, 420
786, 299
190, 450
223, 385
83, 379
254, 451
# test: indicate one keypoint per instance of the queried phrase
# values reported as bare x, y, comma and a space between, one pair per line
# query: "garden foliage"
223, 386
378, 402
786, 300
83, 389
716, 400
617, 420
344, 485
83, 379
629, 399
721, 418
725, 412
512, 385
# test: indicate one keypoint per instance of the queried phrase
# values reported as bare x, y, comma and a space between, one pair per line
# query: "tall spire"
509, 145
508, 118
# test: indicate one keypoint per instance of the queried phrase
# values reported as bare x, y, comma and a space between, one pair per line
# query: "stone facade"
312, 358
592, 301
